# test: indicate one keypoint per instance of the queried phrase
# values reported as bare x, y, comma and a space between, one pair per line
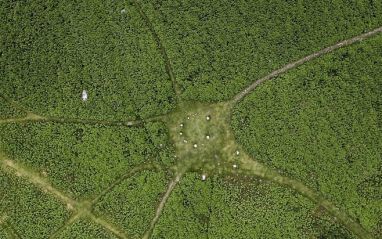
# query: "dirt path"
30, 117
254, 168
80, 208
161, 205
297, 63
161, 48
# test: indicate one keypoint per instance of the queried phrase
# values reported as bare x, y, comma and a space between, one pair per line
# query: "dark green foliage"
83, 160
31, 212
7, 111
218, 47
52, 50
132, 204
85, 229
237, 208
321, 123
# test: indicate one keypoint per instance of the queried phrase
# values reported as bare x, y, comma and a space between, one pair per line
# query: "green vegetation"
162, 147
132, 203
28, 210
218, 47
238, 207
58, 49
321, 124
7, 111
83, 160
85, 229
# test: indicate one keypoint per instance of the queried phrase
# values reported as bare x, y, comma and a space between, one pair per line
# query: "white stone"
207, 137
204, 177
234, 166
208, 118
181, 125
195, 145
180, 133
84, 95
123, 11
237, 152
184, 141
188, 117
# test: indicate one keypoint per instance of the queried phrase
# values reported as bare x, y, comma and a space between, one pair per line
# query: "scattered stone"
234, 166
188, 117
237, 152
160, 145
195, 145
208, 117
204, 177
123, 11
184, 141
207, 137
180, 133
181, 125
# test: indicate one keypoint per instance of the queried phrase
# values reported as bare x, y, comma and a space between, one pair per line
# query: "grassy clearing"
321, 124
219, 47
84, 160
52, 51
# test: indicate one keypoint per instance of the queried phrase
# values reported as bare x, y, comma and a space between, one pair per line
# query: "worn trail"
301, 61
161, 205
252, 167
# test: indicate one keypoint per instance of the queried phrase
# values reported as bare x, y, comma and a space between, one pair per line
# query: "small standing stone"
84, 95
195, 145
204, 177
208, 117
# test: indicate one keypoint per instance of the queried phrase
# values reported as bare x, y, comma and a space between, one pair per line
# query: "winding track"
301, 61
31, 117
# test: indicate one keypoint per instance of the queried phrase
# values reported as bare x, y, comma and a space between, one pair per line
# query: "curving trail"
297, 63
161, 205
161, 48
252, 167
80, 208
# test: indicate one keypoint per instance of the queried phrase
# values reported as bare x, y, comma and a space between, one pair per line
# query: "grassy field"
190, 119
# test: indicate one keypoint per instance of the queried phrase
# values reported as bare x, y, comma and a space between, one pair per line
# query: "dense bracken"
83, 160
29, 211
82, 155
57, 49
132, 204
218, 47
237, 207
85, 229
321, 123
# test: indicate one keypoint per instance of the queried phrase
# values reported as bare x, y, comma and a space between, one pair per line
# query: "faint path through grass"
301, 61
80, 208
161, 48
249, 166
161, 205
